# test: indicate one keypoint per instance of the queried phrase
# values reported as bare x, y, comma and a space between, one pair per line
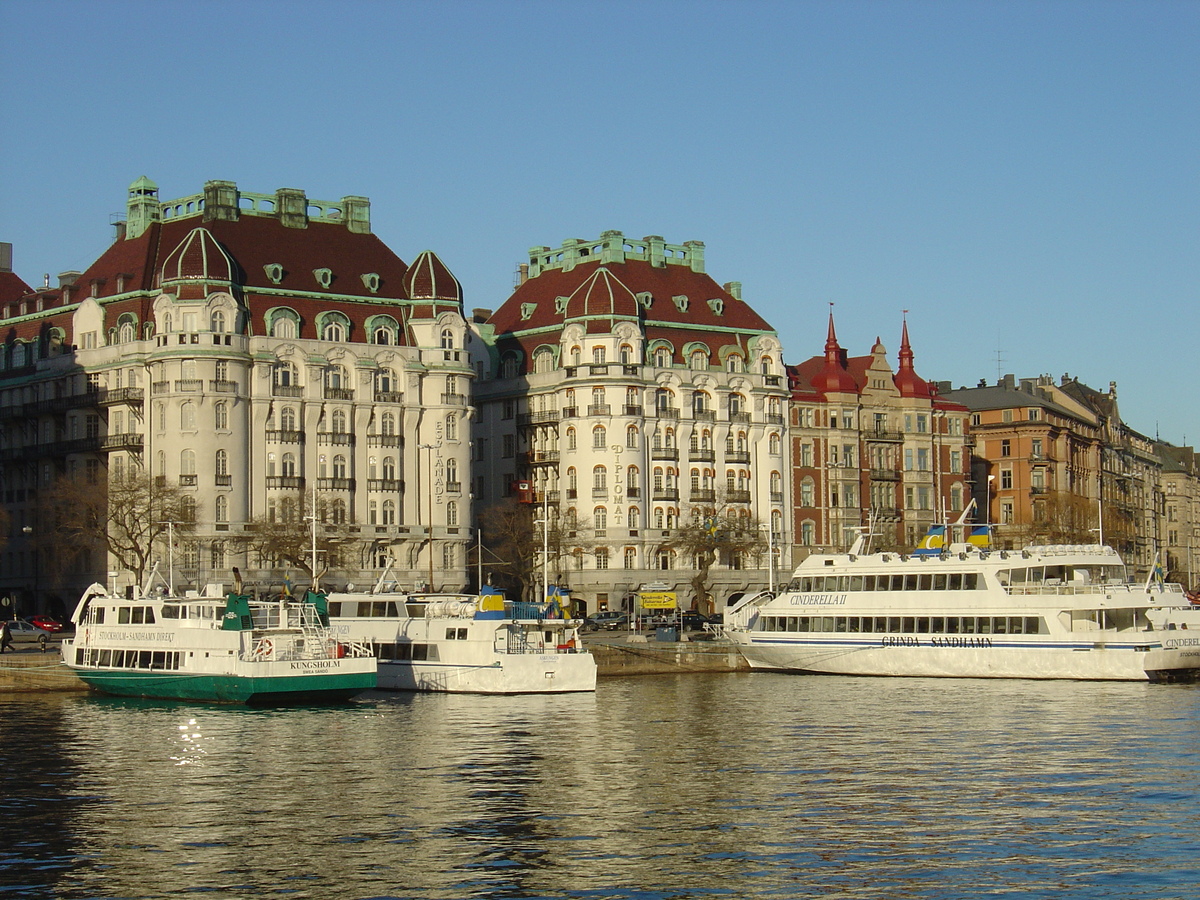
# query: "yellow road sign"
658, 599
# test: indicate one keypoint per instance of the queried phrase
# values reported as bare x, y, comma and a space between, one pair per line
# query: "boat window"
420, 651
853, 625
897, 583
922, 624
856, 582
172, 612
827, 623
952, 625
379, 608
393, 609
908, 624
1015, 625
98, 615
999, 623
123, 615
937, 625
955, 581
971, 581
451, 633
880, 624
415, 610
910, 582
939, 581
105, 658
335, 607
924, 582
793, 623
968, 625
893, 624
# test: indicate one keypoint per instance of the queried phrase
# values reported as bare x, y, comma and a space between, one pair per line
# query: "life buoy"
265, 647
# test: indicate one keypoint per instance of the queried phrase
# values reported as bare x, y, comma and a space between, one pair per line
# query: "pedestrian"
5, 637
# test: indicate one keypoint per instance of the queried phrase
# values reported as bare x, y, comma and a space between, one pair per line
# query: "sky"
1021, 177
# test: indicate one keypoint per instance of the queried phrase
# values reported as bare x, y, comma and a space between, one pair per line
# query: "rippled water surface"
674, 787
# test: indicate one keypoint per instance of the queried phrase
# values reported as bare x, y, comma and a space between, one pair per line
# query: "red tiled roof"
429, 279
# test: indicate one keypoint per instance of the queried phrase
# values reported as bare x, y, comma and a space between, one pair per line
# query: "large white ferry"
232, 649
961, 610
465, 643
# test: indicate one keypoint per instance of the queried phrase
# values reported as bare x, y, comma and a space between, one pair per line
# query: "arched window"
626, 354
735, 363
543, 361
599, 438
389, 512
287, 418
776, 483
572, 482
576, 356
767, 367
389, 468
339, 466
217, 321
598, 356
662, 357
336, 378
285, 324
695, 479
452, 513
509, 366
338, 421
270, 465
187, 416
187, 462
284, 375
570, 438
599, 478
127, 329
600, 518
387, 423
808, 533
658, 517
187, 511
658, 479
447, 339
221, 508
698, 360
335, 327
635, 518
452, 482
773, 445
808, 492
631, 437
338, 510
289, 465
221, 462
386, 383
451, 427
221, 415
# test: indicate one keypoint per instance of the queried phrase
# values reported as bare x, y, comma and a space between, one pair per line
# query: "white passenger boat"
465, 643
961, 610
232, 649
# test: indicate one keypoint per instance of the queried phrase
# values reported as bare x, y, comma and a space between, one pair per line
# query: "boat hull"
1083, 662
530, 674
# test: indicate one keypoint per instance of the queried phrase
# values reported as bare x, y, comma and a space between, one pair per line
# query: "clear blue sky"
1021, 177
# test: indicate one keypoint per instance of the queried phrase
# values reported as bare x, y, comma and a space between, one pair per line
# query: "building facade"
632, 394
872, 447
268, 355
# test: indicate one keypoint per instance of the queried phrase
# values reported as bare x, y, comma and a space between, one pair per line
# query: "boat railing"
1073, 589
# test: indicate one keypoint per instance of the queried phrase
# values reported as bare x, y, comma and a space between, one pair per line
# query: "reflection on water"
673, 787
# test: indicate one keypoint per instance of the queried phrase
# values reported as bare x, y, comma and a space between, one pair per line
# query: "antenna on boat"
237, 580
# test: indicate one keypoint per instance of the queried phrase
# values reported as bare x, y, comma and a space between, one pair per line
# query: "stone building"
268, 354
1179, 535
872, 447
632, 393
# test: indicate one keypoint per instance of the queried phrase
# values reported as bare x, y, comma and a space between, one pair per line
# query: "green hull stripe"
228, 688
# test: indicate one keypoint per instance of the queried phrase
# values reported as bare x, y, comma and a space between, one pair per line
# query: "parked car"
692, 620
609, 620
47, 623
25, 633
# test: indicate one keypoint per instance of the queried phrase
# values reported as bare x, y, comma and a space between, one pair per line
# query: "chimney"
68, 277
481, 315
5, 256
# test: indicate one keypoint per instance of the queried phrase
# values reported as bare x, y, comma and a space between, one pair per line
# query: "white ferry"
964, 611
465, 643
231, 649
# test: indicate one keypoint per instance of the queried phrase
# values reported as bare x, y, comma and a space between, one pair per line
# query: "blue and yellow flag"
933, 542
981, 537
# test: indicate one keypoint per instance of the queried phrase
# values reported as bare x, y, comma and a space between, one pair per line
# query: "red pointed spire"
907, 381
835, 377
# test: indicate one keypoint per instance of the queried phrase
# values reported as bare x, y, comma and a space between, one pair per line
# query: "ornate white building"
631, 392
254, 349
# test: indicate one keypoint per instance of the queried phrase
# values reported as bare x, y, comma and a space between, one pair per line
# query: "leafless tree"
285, 540
718, 535
514, 535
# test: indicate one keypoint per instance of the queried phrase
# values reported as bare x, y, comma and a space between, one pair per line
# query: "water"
696, 786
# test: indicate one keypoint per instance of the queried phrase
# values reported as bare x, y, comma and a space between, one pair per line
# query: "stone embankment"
624, 654
26, 670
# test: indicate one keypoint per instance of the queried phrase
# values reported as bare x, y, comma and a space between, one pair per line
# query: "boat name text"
910, 641
819, 599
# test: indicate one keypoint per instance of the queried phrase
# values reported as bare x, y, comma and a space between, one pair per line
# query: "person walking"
5, 637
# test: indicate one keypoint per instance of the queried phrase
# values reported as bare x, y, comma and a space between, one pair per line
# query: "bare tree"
1063, 518
124, 517
714, 537
514, 534
286, 538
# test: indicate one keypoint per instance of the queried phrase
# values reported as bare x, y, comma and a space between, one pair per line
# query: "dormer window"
274, 272
717, 305
371, 282
681, 302
527, 311
324, 277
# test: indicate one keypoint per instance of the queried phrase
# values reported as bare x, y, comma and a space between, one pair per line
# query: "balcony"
187, 480
883, 434
539, 457
387, 485
223, 480
702, 456
598, 369
385, 440
773, 380
119, 395
389, 396
739, 418
702, 495
885, 475
704, 415
286, 390
570, 412
632, 410
122, 442
223, 387
737, 456
570, 371
335, 393
545, 417
599, 493
737, 496
666, 412
668, 453
285, 436
635, 371
599, 409
336, 438
671, 494
335, 484
285, 481
189, 385
776, 496
454, 399
774, 418
634, 492
454, 487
